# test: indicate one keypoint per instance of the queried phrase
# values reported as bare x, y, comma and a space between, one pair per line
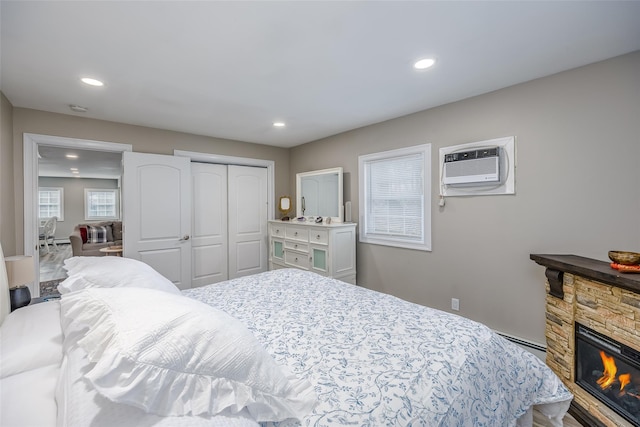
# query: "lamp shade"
20, 270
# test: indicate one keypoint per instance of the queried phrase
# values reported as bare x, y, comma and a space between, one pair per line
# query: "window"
101, 204
395, 197
51, 203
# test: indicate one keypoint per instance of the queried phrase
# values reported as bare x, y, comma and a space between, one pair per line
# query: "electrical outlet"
455, 304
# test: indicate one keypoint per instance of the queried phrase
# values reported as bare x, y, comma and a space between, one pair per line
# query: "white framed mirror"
319, 193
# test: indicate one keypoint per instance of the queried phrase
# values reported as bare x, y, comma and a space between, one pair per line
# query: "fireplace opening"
609, 371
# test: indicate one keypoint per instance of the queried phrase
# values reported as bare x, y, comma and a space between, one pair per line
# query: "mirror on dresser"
319, 194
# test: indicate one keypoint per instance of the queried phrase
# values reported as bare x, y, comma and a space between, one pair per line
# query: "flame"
609, 376
610, 370
624, 380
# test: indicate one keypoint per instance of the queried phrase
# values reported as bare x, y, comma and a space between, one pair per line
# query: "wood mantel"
600, 271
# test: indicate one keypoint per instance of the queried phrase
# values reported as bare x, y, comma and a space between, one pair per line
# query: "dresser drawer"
296, 246
297, 233
298, 260
319, 237
277, 230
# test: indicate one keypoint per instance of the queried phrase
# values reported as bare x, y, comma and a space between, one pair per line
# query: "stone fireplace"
588, 295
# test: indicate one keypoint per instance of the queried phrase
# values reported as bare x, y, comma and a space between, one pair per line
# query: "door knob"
185, 237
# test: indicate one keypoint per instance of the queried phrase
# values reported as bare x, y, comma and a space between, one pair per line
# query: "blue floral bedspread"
376, 360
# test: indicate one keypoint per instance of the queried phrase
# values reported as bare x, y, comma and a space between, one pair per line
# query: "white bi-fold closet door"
229, 222
194, 223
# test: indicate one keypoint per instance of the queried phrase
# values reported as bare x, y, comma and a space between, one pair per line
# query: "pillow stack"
169, 355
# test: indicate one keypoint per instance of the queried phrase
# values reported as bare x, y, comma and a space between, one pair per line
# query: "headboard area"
5, 305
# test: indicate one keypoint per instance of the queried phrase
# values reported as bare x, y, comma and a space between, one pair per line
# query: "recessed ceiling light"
71, 156
424, 63
75, 172
278, 124
73, 169
92, 82
78, 108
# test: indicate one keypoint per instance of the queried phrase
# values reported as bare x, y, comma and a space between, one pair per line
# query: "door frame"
239, 161
31, 141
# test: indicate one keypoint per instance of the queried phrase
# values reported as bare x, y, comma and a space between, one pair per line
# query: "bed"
282, 348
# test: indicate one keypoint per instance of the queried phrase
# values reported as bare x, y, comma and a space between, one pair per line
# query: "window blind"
395, 197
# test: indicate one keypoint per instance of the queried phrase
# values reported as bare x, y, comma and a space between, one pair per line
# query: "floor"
540, 420
51, 271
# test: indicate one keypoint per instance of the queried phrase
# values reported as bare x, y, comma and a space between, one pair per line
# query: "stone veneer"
591, 301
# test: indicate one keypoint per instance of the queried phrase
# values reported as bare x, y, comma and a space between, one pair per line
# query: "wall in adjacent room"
73, 193
577, 191
7, 211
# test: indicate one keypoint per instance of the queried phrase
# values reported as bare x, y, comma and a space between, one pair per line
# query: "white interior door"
157, 213
209, 242
248, 210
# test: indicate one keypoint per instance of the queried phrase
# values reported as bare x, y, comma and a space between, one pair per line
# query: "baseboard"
537, 349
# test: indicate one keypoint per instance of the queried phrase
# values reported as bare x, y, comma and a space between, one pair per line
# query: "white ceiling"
230, 69
52, 162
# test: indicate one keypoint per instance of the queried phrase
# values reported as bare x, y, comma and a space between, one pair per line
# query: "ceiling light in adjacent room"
278, 124
424, 64
71, 156
78, 108
91, 82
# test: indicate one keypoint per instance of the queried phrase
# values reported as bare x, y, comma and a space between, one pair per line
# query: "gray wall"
74, 199
7, 211
577, 191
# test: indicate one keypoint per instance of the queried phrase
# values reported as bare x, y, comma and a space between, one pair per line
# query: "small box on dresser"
326, 249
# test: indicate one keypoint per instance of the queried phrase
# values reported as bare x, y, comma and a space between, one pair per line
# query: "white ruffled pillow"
112, 272
172, 355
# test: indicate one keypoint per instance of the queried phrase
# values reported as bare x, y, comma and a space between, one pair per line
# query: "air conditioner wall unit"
473, 167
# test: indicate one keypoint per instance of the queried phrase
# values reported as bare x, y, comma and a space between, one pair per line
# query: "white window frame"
60, 191
87, 203
422, 243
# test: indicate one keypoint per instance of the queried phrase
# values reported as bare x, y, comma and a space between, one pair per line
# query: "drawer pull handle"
318, 237
295, 234
296, 259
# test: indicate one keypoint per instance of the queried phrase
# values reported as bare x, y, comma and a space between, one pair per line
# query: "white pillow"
112, 272
30, 338
172, 355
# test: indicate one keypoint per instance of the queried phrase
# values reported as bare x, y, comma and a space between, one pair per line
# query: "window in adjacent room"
395, 197
50, 203
101, 204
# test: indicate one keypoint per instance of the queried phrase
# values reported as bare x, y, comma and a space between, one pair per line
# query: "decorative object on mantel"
20, 272
626, 268
626, 258
625, 262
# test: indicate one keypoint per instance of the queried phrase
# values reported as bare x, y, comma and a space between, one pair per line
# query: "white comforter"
376, 360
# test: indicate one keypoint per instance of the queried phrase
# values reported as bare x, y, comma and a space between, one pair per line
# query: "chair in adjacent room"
48, 234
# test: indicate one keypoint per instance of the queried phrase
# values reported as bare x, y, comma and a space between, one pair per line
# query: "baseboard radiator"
532, 347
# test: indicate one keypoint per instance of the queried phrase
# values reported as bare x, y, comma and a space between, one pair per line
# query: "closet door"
247, 220
209, 243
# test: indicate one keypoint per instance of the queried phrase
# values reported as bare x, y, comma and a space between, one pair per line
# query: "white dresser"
329, 250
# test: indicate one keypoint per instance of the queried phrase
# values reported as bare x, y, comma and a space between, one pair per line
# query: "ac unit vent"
475, 167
